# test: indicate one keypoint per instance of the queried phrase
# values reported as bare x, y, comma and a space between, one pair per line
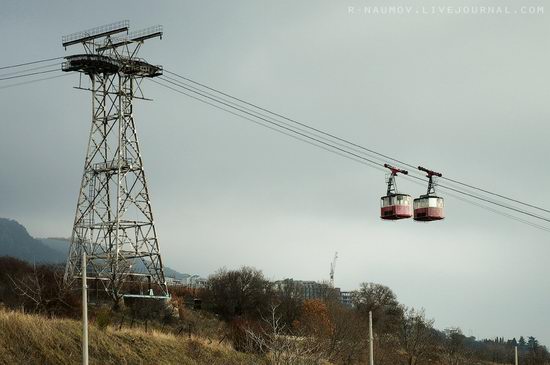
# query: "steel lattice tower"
114, 221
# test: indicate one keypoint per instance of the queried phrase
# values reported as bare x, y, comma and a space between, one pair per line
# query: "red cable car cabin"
429, 207
394, 205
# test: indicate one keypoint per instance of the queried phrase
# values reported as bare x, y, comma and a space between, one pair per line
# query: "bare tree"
417, 336
238, 293
43, 291
280, 345
382, 302
454, 348
347, 343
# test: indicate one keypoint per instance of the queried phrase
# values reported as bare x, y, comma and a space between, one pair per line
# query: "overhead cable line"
320, 136
417, 180
30, 69
271, 122
495, 194
31, 63
496, 211
233, 106
33, 81
292, 120
323, 146
29, 74
414, 168
487, 200
333, 144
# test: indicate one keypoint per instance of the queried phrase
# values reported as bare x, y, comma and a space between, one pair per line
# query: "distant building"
312, 290
346, 298
173, 281
195, 282
189, 281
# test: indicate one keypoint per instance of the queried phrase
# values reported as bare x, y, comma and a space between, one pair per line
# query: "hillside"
16, 242
61, 245
27, 339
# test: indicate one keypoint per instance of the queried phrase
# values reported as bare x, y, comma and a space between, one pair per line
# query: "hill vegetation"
243, 313
240, 317
34, 339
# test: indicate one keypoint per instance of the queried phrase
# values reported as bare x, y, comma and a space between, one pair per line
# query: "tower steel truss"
114, 220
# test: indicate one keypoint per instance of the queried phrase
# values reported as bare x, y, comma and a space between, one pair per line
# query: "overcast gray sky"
465, 94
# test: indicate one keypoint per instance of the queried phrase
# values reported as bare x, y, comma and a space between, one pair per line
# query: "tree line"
280, 323
263, 316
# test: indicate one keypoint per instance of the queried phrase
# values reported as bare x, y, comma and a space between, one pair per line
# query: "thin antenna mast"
332, 268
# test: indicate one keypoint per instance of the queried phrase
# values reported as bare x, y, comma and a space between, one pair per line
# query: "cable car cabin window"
388, 201
431, 202
420, 203
436, 203
403, 200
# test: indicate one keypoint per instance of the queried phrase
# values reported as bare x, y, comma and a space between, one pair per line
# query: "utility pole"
84, 311
371, 338
516, 355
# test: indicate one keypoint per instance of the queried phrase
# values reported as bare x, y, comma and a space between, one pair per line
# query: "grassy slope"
30, 339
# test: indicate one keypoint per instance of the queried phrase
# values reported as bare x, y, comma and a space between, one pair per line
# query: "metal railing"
91, 33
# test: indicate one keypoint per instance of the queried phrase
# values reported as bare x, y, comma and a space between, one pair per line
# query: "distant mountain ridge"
16, 242
60, 245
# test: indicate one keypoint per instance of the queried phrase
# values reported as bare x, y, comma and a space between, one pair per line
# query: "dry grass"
32, 339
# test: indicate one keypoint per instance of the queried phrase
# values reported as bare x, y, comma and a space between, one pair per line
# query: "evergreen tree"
532, 343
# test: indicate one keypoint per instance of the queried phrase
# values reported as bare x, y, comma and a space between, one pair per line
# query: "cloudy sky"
464, 94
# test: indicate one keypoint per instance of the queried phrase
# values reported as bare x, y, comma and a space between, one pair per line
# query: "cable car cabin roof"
429, 201
392, 195
428, 196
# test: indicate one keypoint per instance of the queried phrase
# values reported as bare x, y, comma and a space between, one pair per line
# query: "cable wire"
488, 200
273, 123
382, 161
33, 81
414, 168
232, 105
496, 211
5, 77
30, 69
29, 74
368, 163
334, 144
31, 63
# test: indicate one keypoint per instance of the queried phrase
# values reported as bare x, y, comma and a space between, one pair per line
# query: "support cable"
271, 122
33, 81
30, 69
29, 74
342, 150
362, 161
32, 63
334, 144
352, 143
